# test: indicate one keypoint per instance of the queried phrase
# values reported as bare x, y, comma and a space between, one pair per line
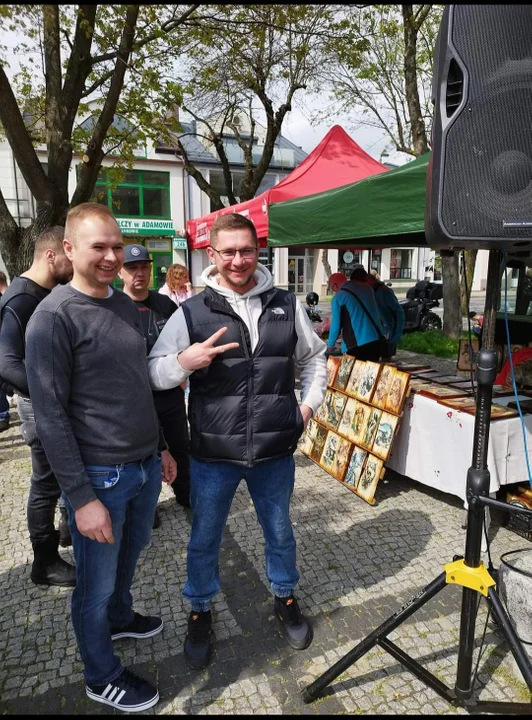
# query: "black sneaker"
198, 640
296, 628
142, 626
128, 693
156, 520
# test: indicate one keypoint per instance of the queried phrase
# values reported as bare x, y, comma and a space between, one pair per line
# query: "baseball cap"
136, 253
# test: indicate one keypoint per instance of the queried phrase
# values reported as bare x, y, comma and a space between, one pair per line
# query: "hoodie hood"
248, 305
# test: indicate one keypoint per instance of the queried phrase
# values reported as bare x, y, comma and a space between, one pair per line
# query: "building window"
400, 264
348, 260
143, 193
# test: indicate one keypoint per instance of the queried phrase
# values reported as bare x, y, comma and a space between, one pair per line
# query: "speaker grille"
487, 184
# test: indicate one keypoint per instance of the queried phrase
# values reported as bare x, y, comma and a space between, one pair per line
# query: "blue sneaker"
128, 693
142, 626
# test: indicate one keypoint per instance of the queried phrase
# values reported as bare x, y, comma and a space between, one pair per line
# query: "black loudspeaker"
479, 178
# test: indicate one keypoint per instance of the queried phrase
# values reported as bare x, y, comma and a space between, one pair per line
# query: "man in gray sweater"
88, 380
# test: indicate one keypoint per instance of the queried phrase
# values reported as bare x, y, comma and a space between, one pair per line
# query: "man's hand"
93, 521
169, 467
202, 354
307, 413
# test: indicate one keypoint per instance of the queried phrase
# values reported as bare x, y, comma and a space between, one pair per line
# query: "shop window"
400, 264
142, 193
348, 260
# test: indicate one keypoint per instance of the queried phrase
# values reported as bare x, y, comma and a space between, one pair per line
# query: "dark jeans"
101, 600
370, 351
44, 488
4, 405
173, 419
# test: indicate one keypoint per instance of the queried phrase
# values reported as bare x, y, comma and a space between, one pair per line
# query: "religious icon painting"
398, 391
354, 469
330, 449
344, 372
336, 408
369, 477
333, 363
371, 428
341, 461
319, 443
308, 437
441, 391
368, 381
383, 385
360, 421
323, 410
384, 435
354, 378
344, 428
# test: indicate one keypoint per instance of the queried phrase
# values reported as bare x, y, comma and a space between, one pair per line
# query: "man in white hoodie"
245, 421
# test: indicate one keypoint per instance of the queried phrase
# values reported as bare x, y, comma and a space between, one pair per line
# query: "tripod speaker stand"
468, 572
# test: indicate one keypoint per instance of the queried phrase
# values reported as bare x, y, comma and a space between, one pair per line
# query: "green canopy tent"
384, 210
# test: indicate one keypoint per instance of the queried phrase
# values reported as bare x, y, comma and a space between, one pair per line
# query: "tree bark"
470, 258
417, 124
452, 318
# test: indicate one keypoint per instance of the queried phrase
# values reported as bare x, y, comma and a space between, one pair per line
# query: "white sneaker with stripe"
128, 693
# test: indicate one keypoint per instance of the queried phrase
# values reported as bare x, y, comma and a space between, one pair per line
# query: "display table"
434, 446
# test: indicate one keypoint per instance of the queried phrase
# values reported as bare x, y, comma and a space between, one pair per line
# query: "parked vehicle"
418, 305
321, 324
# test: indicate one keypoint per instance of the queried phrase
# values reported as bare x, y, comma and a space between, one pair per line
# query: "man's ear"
67, 245
49, 256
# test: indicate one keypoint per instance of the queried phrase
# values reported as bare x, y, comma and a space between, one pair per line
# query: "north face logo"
277, 311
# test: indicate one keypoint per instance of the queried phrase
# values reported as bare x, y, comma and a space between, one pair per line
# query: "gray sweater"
88, 379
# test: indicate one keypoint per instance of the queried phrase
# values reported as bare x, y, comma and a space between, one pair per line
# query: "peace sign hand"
201, 354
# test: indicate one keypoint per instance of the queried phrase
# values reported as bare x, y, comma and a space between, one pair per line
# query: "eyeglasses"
246, 253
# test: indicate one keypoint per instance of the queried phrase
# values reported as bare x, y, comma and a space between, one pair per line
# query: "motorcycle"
321, 324
418, 305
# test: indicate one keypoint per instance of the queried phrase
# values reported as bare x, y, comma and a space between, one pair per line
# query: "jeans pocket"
103, 477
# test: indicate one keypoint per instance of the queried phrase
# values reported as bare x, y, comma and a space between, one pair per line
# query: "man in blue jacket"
391, 313
355, 313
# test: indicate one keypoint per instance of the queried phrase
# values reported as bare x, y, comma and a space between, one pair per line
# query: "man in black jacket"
4, 402
50, 267
155, 309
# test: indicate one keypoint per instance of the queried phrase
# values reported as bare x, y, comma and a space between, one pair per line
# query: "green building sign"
136, 226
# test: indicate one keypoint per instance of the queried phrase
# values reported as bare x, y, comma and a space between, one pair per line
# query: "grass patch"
431, 342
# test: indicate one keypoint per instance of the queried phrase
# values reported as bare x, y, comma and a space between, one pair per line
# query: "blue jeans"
102, 599
212, 489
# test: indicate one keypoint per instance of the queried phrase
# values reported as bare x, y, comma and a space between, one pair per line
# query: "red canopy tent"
336, 161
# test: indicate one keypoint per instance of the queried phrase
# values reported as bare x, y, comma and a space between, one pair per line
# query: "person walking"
88, 380
155, 310
4, 402
392, 315
356, 315
177, 286
245, 420
50, 267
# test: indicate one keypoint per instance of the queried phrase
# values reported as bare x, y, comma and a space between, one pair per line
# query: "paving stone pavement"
359, 564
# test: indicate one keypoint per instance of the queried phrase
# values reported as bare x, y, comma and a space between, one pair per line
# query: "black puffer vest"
242, 407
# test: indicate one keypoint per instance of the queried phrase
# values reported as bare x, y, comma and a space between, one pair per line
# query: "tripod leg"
314, 689
510, 635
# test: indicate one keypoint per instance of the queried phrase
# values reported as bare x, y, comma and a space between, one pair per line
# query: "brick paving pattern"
359, 564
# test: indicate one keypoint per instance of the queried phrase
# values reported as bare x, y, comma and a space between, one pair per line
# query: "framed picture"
441, 391
447, 379
384, 435
370, 476
341, 460
412, 367
344, 428
308, 437
323, 410
415, 385
354, 378
354, 469
382, 388
371, 428
467, 352
360, 421
330, 448
344, 372
319, 443
368, 380
335, 410
397, 393
498, 412
333, 363
465, 404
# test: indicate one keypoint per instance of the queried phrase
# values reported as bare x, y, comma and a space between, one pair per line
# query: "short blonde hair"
176, 277
82, 211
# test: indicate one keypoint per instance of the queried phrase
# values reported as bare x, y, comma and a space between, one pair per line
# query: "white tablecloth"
434, 445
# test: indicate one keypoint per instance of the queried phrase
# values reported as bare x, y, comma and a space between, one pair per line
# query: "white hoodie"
309, 355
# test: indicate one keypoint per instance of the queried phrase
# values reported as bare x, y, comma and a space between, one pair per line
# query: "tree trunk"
452, 318
470, 258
